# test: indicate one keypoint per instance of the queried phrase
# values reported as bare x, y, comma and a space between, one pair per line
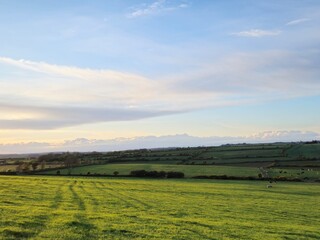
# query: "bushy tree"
175, 175
34, 165
138, 173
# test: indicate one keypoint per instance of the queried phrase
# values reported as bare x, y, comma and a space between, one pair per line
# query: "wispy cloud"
298, 21
65, 84
51, 96
48, 117
38, 95
261, 75
263, 33
156, 7
179, 140
257, 33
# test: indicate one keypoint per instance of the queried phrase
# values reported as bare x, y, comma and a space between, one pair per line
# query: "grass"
305, 150
91, 208
313, 173
192, 170
6, 168
188, 170
12, 168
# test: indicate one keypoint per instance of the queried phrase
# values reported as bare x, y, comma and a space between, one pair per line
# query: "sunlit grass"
91, 208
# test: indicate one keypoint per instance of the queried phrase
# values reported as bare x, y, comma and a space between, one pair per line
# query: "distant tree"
43, 164
116, 173
260, 175
26, 167
162, 174
58, 172
148, 174
17, 162
34, 165
19, 167
138, 173
70, 160
175, 175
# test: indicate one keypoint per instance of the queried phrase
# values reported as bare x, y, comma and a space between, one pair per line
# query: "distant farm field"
6, 168
188, 170
92, 208
191, 170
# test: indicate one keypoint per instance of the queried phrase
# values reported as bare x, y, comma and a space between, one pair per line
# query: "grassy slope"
79, 208
310, 151
188, 170
295, 173
192, 170
244, 159
230, 154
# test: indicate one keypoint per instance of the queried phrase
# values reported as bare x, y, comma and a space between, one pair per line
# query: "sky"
91, 71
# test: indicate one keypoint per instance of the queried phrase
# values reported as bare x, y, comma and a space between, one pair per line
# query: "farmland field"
294, 172
6, 168
188, 170
238, 160
92, 208
191, 170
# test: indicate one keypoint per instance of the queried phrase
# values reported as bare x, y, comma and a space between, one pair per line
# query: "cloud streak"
37, 95
298, 21
111, 82
31, 117
257, 33
155, 8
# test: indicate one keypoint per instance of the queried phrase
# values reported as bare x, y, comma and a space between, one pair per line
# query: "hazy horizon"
152, 142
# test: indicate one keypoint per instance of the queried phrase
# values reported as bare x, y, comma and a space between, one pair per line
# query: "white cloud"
263, 75
180, 140
34, 117
156, 7
76, 86
183, 5
37, 95
257, 33
297, 21
284, 136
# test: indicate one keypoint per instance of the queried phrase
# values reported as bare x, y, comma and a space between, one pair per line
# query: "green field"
305, 150
295, 173
92, 208
7, 168
191, 170
237, 160
188, 170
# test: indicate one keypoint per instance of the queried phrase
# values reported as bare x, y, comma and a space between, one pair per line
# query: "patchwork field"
188, 170
93, 208
192, 170
282, 160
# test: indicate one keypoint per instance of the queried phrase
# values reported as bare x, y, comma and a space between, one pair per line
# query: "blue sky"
110, 69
